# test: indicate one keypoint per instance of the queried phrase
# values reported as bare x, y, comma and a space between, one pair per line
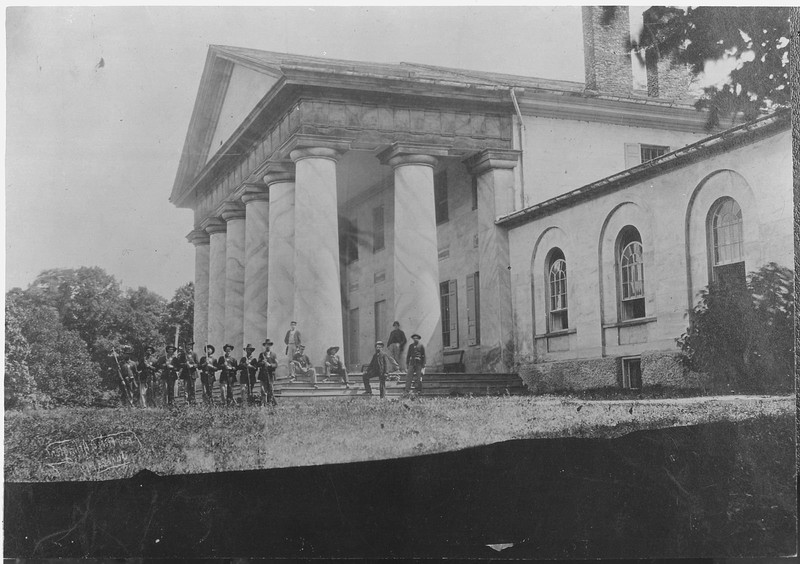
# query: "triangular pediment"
233, 83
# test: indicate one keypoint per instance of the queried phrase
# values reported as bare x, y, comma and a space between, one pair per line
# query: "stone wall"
607, 60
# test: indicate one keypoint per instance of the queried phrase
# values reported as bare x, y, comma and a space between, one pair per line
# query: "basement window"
632, 373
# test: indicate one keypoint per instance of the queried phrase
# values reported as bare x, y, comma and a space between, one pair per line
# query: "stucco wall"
664, 209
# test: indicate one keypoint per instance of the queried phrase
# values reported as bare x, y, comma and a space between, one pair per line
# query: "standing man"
301, 364
130, 374
248, 367
415, 359
226, 364
189, 363
334, 365
396, 344
167, 366
376, 369
267, 363
147, 378
208, 369
292, 340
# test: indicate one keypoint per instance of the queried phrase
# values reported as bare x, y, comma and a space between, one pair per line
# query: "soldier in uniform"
168, 370
334, 365
376, 369
292, 340
267, 363
130, 375
188, 363
227, 366
301, 364
147, 381
208, 370
248, 367
415, 360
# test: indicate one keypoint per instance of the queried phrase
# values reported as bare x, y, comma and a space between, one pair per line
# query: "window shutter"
633, 155
473, 309
453, 314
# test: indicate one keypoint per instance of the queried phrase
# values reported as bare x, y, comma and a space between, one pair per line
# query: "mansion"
503, 218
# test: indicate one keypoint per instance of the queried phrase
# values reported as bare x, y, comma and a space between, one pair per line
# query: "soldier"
334, 365
267, 363
301, 364
226, 364
292, 340
168, 373
188, 363
248, 367
396, 344
130, 374
415, 360
377, 369
208, 370
147, 380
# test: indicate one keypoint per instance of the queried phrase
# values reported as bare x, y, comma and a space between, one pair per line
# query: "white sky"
92, 152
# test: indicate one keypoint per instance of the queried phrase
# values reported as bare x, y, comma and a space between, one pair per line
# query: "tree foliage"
179, 311
743, 337
756, 37
19, 385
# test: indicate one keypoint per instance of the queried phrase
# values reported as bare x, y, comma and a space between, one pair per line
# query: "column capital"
315, 153
278, 171
255, 191
399, 154
213, 225
490, 159
302, 141
232, 210
198, 237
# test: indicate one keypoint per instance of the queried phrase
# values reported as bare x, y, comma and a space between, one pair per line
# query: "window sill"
631, 322
556, 333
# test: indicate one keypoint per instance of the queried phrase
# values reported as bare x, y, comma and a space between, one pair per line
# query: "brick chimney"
607, 60
666, 78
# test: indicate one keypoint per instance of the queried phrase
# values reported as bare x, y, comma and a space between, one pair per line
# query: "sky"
92, 149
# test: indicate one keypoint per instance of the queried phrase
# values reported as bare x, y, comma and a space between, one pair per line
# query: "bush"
742, 335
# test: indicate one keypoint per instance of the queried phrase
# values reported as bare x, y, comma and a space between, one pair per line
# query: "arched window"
631, 274
557, 317
726, 242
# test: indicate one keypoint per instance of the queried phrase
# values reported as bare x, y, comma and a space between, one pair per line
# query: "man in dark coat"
334, 365
248, 367
167, 366
188, 362
376, 369
396, 343
292, 340
208, 370
415, 359
147, 379
267, 363
130, 375
301, 365
227, 366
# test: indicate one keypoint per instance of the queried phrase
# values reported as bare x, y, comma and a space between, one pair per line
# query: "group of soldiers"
151, 382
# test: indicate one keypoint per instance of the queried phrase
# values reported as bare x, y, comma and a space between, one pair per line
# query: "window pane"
727, 233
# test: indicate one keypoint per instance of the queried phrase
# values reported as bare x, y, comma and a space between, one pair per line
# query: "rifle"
121, 379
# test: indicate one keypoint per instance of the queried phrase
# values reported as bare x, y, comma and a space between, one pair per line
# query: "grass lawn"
100, 444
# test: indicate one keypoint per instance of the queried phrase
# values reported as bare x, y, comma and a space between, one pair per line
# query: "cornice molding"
490, 159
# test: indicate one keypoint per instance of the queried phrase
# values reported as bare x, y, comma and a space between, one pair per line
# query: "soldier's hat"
127, 349
299, 347
268, 342
149, 348
227, 347
190, 342
333, 350
210, 349
249, 347
171, 348
378, 343
416, 336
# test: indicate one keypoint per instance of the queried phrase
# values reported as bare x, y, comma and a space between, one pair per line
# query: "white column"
256, 263
233, 214
216, 282
416, 259
317, 294
495, 175
280, 303
200, 240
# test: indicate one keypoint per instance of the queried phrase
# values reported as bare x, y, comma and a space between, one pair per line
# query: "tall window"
380, 319
440, 196
557, 291
474, 192
727, 242
631, 274
473, 309
377, 229
349, 238
449, 303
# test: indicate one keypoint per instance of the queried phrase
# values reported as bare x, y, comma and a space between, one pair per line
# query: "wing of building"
505, 217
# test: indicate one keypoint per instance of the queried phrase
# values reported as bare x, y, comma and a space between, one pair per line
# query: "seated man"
334, 365
301, 365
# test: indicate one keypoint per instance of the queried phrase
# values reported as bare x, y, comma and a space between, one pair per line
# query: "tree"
757, 38
743, 337
180, 312
19, 385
